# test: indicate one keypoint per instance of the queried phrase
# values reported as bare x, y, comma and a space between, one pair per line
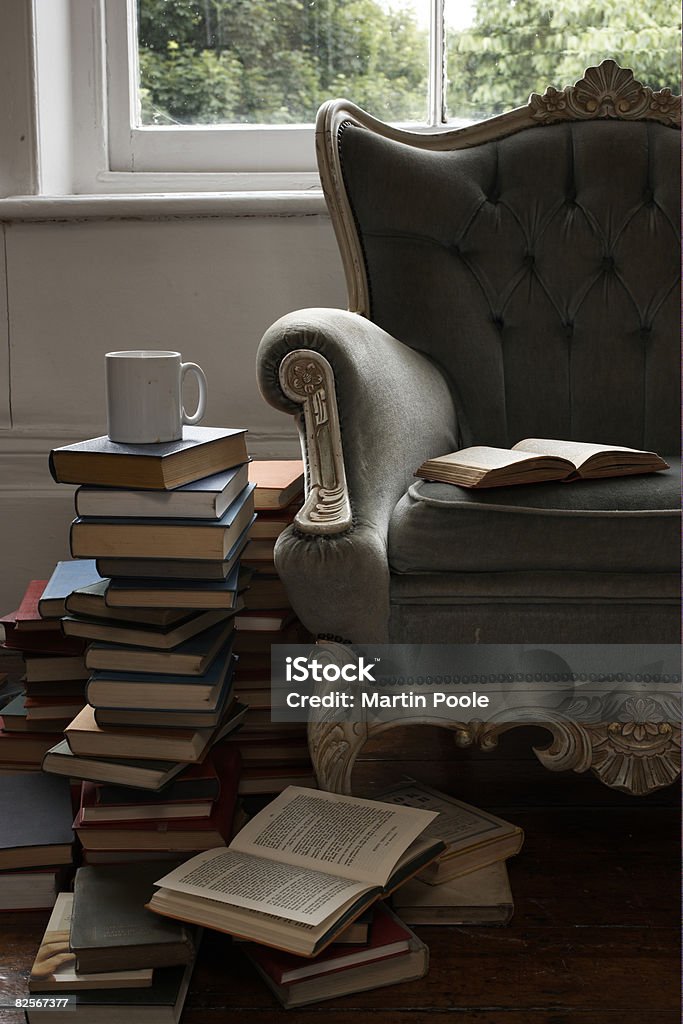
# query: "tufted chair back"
535, 258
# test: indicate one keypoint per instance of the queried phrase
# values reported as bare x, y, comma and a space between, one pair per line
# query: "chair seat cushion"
621, 524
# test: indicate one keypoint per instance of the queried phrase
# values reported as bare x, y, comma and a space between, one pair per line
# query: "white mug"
144, 396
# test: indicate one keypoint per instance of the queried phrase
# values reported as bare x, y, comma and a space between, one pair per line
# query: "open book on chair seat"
535, 460
301, 870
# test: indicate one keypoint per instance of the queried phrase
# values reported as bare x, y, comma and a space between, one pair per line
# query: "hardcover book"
201, 452
161, 1003
160, 638
67, 576
473, 838
409, 964
479, 898
93, 602
198, 539
207, 498
278, 482
168, 593
159, 691
301, 870
54, 968
87, 739
192, 657
59, 760
197, 782
537, 459
35, 821
112, 931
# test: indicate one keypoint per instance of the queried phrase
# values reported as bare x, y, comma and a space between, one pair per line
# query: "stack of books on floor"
168, 523
302, 885
468, 883
53, 687
36, 840
115, 960
274, 755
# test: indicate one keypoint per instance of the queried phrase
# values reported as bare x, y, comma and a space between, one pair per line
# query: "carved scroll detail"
636, 758
607, 91
306, 377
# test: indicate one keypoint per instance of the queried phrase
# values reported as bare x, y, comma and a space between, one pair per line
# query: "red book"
27, 616
182, 834
39, 641
389, 937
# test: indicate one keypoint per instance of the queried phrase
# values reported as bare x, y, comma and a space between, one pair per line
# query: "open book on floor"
301, 870
535, 460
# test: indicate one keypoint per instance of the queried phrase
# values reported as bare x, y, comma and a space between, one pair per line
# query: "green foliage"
516, 47
276, 61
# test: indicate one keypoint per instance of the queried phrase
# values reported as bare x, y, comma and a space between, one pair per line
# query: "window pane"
499, 51
276, 61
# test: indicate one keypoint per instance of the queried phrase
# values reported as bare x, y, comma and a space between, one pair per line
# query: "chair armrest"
373, 411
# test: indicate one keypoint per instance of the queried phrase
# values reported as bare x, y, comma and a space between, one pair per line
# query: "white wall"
71, 291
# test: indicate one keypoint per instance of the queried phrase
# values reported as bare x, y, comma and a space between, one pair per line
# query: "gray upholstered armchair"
517, 278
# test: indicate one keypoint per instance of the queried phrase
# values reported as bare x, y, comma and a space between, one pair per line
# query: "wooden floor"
594, 939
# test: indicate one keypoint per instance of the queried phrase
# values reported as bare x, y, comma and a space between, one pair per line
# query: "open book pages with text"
302, 869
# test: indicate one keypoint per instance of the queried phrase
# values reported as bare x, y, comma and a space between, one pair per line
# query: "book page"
353, 838
484, 458
576, 452
264, 885
458, 824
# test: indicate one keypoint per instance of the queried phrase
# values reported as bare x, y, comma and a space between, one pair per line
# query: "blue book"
168, 593
162, 710
165, 538
67, 576
207, 498
191, 658
147, 690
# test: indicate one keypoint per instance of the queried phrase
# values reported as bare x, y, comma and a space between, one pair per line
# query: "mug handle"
201, 384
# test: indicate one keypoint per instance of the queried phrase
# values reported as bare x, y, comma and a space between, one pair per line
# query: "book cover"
197, 782
35, 821
145, 775
112, 930
278, 482
67, 576
473, 838
54, 968
200, 452
206, 498
192, 657
210, 539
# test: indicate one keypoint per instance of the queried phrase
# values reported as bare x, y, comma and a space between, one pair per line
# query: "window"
216, 86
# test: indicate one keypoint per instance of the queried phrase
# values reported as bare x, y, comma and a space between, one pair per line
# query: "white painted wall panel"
208, 287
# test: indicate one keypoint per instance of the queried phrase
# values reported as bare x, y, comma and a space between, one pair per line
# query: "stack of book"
165, 524
113, 958
36, 840
54, 668
468, 883
274, 755
302, 884
195, 811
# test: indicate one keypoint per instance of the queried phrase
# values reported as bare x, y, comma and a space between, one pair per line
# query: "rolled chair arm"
369, 411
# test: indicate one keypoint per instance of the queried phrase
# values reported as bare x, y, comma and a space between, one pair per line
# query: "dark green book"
161, 1003
111, 930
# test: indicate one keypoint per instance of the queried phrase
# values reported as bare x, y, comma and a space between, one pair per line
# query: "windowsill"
153, 205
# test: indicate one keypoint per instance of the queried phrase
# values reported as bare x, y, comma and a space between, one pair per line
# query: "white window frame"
236, 157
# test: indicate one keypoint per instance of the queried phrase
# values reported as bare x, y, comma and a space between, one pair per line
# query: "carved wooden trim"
607, 91
306, 377
636, 758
